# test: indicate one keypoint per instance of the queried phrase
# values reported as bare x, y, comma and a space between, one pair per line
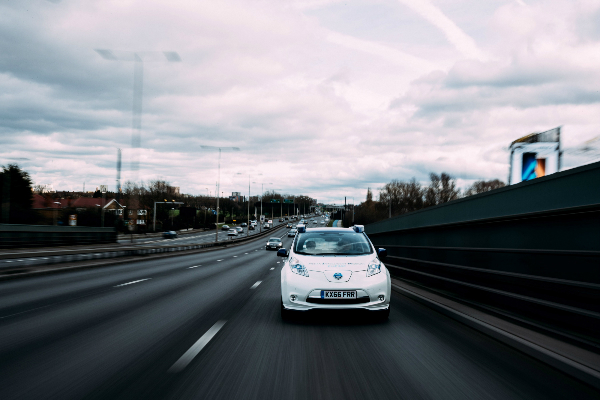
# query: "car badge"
337, 276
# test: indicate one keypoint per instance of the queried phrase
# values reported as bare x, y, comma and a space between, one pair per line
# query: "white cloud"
315, 110
459, 39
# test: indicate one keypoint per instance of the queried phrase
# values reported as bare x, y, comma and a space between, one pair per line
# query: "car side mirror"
382, 253
282, 253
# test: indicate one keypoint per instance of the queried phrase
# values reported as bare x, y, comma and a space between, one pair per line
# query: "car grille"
318, 300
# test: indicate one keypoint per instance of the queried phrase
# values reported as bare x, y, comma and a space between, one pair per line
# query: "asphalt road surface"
200, 237
207, 326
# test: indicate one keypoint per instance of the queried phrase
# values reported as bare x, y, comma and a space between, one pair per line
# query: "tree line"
400, 197
17, 191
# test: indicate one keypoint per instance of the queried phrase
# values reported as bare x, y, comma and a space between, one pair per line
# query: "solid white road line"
195, 266
255, 285
132, 282
196, 348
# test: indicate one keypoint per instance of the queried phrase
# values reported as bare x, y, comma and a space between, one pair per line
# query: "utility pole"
248, 220
118, 176
220, 149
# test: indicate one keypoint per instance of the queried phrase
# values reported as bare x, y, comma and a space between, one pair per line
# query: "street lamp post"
220, 149
138, 75
262, 186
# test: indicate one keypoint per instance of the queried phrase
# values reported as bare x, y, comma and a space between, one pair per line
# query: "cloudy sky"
323, 97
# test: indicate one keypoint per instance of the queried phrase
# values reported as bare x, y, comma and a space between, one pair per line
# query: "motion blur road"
200, 237
137, 331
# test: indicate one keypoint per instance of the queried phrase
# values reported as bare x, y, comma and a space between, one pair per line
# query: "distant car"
273, 243
244, 224
169, 235
315, 222
322, 222
270, 222
239, 229
232, 232
252, 227
225, 227
289, 225
267, 226
292, 232
280, 219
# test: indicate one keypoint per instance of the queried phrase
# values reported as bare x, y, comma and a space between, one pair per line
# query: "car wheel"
286, 315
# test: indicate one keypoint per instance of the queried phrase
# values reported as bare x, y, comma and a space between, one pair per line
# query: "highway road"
200, 237
207, 326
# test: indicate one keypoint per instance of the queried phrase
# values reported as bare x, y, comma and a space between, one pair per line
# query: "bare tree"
441, 189
484, 186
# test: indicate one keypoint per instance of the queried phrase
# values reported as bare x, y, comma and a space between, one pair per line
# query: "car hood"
328, 263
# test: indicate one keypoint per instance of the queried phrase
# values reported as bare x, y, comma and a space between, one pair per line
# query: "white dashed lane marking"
272, 269
196, 348
219, 260
132, 282
256, 285
234, 256
195, 266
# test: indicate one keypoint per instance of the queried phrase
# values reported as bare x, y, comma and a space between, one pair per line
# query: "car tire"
286, 315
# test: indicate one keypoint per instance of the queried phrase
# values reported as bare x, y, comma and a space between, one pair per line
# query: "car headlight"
373, 268
298, 268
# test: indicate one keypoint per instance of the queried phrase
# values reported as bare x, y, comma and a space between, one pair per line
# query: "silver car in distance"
334, 268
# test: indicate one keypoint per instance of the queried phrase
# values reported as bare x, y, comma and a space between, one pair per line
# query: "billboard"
534, 156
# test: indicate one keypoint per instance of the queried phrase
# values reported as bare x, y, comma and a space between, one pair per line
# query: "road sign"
290, 201
262, 218
103, 188
73, 220
274, 200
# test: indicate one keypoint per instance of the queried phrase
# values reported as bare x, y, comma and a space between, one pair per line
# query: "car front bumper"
307, 291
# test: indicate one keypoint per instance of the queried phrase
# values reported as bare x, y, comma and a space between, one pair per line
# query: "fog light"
381, 297
293, 297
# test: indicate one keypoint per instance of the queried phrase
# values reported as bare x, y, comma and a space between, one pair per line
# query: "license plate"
338, 294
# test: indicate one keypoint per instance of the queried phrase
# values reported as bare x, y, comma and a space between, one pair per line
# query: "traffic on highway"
242, 322
300, 199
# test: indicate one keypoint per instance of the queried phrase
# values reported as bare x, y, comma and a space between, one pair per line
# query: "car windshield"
332, 243
274, 240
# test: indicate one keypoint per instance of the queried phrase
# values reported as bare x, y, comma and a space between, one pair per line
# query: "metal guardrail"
554, 290
538, 267
15, 235
78, 254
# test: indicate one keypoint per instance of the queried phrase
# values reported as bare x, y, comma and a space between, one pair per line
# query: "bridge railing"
529, 252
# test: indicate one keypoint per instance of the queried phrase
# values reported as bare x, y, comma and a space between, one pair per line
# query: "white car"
292, 232
334, 268
232, 232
